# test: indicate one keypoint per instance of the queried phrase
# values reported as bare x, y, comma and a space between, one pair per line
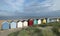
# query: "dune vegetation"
39, 30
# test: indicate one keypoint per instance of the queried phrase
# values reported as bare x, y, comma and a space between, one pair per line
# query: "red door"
30, 22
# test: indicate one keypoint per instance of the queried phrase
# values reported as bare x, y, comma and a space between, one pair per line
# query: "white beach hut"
19, 24
48, 20
57, 20
25, 23
39, 21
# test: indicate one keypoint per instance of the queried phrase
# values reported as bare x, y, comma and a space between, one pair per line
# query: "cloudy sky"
16, 7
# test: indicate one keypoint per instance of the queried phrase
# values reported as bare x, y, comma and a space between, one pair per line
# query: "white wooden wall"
20, 24
25, 23
39, 21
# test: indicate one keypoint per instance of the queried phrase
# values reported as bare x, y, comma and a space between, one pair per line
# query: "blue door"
5, 25
13, 24
35, 22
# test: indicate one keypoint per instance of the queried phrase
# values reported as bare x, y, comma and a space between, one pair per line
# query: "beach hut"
57, 19
13, 24
39, 21
30, 22
19, 24
5, 25
44, 21
35, 21
48, 20
25, 23
53, 20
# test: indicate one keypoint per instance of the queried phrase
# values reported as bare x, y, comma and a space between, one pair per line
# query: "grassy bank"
35, 31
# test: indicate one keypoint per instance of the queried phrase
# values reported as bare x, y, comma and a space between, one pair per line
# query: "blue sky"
14, 7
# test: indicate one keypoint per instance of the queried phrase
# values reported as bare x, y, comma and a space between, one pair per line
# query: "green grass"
48, 32
30, 31
14, 34
56, 31
34, 31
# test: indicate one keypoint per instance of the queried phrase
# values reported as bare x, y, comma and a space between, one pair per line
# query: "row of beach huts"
11, 24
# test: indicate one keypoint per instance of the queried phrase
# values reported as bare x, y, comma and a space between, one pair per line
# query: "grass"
14, 34
56, 31
48, 32
34, 31
30, 31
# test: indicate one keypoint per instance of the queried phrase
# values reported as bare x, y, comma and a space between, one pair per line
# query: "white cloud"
56, 5
38, 6
46, 3
46, 6
15, 4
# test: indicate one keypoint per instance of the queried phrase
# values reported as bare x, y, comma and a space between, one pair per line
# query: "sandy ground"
6, 32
